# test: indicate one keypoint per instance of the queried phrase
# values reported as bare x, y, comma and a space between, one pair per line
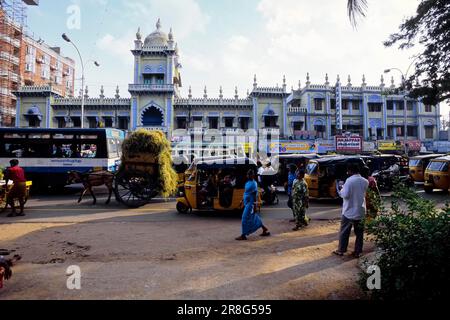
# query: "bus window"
113, 148
88, 151
13, 150
14, 136
63, 136
88, 137
39, 136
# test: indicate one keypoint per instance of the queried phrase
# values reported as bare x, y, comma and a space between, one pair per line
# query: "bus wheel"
182, 208
428, 189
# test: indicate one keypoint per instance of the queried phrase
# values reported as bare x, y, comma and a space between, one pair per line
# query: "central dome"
157, 38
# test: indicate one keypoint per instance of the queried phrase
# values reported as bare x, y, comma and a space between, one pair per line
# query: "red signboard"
413, 145
351, 144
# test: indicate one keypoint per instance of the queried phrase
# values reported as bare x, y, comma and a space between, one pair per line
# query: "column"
328, 108
285, 122
47, 112
134, 120
18, 102
384, 117
308, 112
136, 70
365, 117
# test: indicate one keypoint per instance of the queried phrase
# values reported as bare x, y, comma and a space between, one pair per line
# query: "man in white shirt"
353, 210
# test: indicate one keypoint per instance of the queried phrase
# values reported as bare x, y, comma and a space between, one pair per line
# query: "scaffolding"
12, 27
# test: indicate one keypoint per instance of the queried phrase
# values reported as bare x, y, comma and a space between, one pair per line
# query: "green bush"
413, 239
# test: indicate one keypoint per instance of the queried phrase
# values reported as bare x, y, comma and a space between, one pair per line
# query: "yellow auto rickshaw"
323, 175
418, 165
216, 184
437, 174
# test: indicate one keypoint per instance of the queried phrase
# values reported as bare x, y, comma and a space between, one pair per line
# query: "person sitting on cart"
19, 188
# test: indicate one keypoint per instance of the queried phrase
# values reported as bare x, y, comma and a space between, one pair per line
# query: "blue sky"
224, 43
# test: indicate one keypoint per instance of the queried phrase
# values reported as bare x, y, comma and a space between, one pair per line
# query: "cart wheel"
182, 208
134, 189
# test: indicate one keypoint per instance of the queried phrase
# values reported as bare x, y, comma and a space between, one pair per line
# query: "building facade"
309, 112
27, 62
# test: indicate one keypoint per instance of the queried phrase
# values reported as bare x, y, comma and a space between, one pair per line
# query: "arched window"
152, 117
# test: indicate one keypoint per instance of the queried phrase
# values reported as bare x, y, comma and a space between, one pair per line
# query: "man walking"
18, 190
353, 211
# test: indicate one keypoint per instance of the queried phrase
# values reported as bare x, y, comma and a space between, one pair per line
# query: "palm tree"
356, 9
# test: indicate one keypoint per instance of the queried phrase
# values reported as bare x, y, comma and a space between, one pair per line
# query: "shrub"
413, 240
1, 173
153, 143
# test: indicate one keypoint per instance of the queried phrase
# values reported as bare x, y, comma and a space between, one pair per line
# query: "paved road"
155, 253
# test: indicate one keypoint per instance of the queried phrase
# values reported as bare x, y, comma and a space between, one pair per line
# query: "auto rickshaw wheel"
428, 189
182, 208
134, 188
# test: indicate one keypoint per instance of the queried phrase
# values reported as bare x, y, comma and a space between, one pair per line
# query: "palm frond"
356, 9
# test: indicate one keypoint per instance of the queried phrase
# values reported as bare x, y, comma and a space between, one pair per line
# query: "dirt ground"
191, 257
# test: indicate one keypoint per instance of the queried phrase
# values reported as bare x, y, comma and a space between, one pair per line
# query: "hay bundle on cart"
146, 169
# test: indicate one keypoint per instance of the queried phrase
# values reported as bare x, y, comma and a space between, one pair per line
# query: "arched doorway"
152, 117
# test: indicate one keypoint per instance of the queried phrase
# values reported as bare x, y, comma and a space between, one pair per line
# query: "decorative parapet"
269, 90
214, 102
37, 89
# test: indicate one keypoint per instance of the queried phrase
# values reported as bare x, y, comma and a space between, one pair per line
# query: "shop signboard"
369, 146
292, 147
325, 146
348, 144
389, 145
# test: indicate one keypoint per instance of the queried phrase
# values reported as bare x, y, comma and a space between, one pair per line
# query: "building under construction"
26, 61
12, 24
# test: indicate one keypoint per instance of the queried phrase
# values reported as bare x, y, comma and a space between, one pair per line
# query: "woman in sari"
251, 222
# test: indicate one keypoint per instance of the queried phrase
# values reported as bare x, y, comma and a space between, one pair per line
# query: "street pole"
67, 39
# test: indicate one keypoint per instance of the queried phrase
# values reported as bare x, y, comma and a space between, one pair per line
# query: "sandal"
338, 253
240, 238
265, 234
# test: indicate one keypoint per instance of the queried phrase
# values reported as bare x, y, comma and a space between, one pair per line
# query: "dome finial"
190, 92
158, 24
349, 81
171, 34
363, 80
102, 92
326, 79
205, 95
117, 92
236, 94
382, 81
338, 79
255, 84
86, 92
220, 93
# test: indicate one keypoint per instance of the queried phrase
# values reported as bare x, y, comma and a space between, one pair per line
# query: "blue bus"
48, 154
